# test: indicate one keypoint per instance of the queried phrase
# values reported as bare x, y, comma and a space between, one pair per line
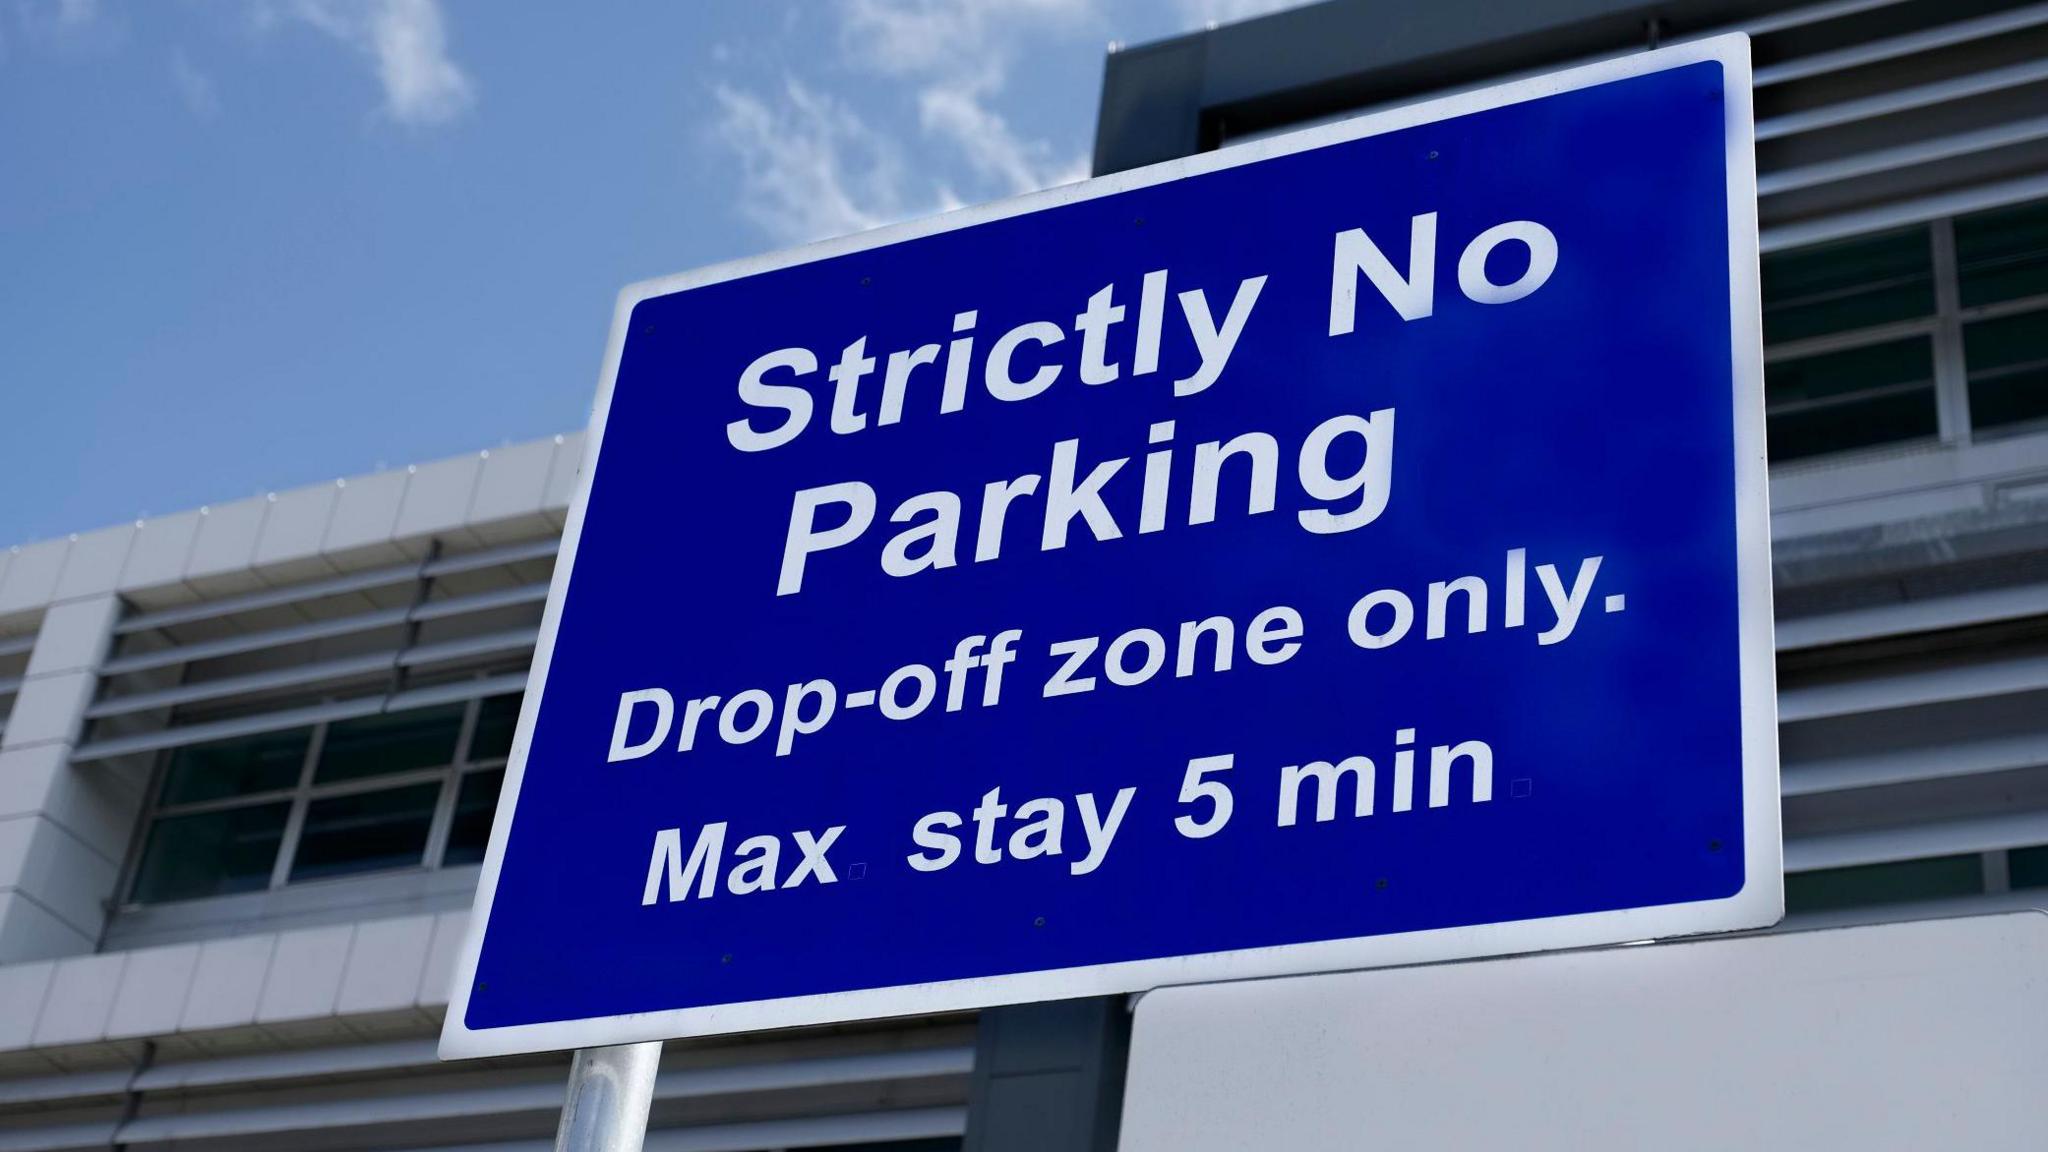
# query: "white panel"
49, 708
153, 989
384, 965
160, 552
1893, 508
227, 538
305, 974
93, 567
366, 512
227, 983
16, 834
27, 776
438, 978
1921, 1035
513, 482
74, 636
437, 498
81, 998
22, 990
95, 804
32, 575
29, 932
297, 524
53, 867
562, 475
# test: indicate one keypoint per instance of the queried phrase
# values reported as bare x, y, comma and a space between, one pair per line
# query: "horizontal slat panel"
226, 729
269, 598
804, 1132
1916, 842
295, 717
254, 641
1913, 616
1905, 690
395, 1056
1907, 765
326, 629
1902, 100
456, 690
470, 647
1893, 47
228, 686
457, 1104
813, 1131
16, 645
1918, 152
337, 585
1918, 210
492, 557
480, 602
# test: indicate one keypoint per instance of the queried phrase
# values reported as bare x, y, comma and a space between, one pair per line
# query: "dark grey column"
1049, 1077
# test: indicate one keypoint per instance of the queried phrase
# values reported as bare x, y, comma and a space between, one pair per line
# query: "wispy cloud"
812, 167
809, 167
406, 41
194, 87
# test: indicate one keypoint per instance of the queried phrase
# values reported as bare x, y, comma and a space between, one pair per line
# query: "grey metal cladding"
1176, 97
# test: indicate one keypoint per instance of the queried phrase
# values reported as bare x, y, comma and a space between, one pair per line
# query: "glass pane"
2008, 361
1848, 285
474, 807
1876, 394
238, 767
2027, 867
494, 724
2003, 255
1896, 883
365, 832
211, 853
398, 742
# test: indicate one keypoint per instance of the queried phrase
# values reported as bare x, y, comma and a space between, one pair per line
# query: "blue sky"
252, 244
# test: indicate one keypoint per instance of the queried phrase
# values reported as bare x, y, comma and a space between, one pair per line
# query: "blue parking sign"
1345, 549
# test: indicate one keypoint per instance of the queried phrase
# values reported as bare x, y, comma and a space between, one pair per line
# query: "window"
1937, 331
1896, 882
2027, 867
376, 793
1851, 328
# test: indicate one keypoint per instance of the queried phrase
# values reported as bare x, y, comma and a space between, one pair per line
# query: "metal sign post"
609, 1091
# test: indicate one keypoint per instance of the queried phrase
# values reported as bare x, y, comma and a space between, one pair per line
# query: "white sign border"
1759, 903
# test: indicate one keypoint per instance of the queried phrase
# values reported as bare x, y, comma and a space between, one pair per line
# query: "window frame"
1954, 427
304, 793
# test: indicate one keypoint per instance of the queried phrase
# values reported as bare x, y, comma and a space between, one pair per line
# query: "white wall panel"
161, 551
93, 565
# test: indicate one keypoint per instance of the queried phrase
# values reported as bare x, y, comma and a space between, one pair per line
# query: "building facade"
249, 753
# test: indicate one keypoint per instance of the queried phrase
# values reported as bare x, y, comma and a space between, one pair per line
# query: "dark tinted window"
1857, 398
2008, 364
240, 767
474, 807
495, 720
1848, 285
2003, 255
1894, 883
211, 853
365, 831
396, 742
